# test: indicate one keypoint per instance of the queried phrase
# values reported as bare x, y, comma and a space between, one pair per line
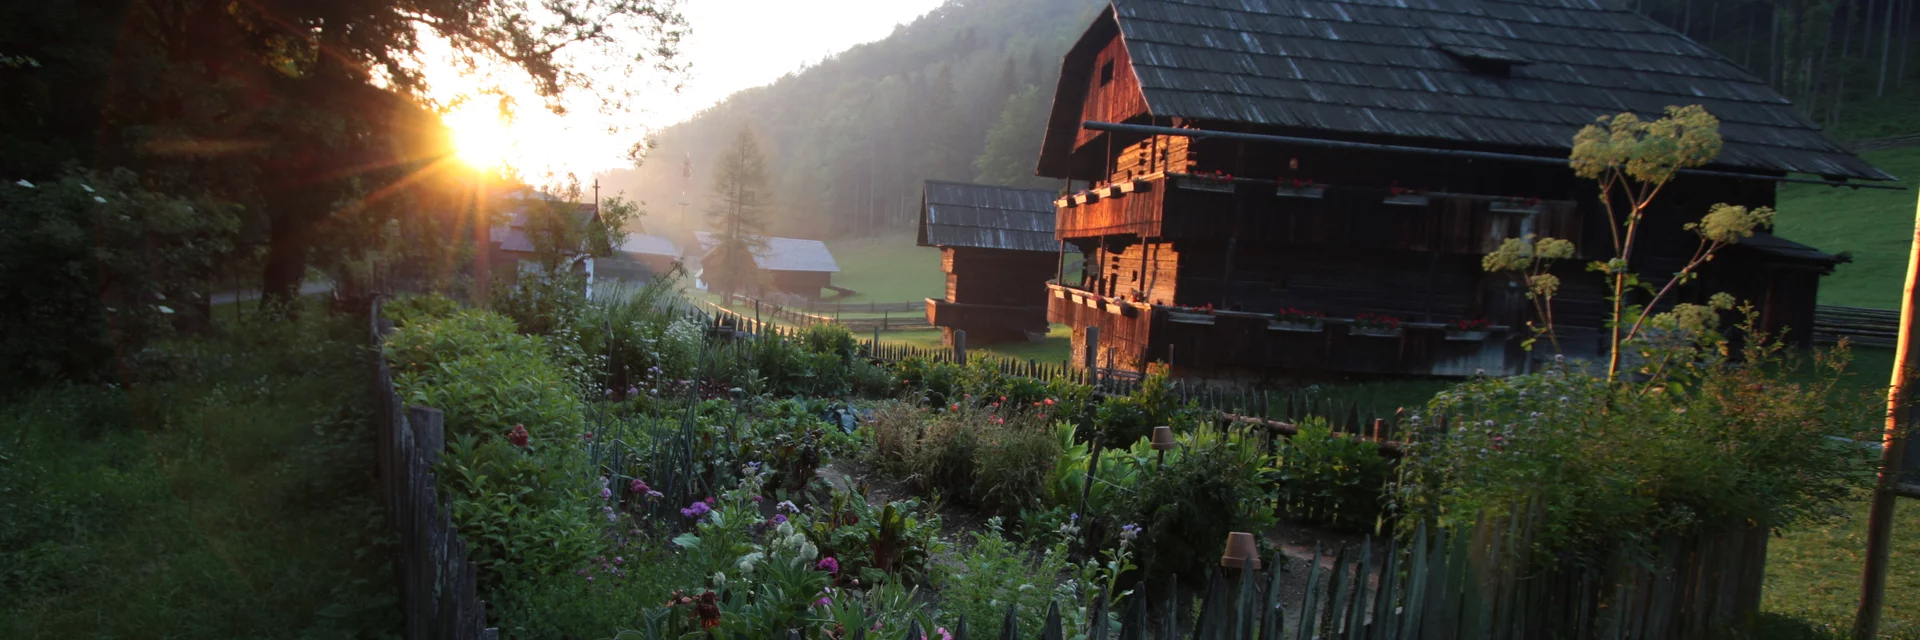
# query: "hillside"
961, 94
1874, 226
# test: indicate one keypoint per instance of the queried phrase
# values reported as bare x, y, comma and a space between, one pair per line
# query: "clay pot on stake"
1163, 442
1241, 552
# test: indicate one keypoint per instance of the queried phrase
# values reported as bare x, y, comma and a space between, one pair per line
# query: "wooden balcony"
972, 317
1259, 344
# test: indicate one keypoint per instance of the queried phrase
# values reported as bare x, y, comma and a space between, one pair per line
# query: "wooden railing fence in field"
1861, 326
1889, 142
438, 584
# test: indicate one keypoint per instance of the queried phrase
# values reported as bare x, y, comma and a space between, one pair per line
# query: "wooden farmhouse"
998, 251
512, 247
1230, 162
789, 265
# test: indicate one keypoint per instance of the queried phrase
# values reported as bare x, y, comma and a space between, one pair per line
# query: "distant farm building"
997, 248
1358, 159
789, 265
641, 257
512, 246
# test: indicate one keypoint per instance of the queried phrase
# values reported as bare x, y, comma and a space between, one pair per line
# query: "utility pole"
1873, 579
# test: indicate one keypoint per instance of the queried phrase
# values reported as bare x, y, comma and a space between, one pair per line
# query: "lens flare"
480, 138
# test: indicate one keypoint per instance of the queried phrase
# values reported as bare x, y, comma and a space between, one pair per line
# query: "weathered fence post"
1092, 352
960, 346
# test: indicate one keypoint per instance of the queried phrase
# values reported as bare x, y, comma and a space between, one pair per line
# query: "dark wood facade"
998, 251
1193, 243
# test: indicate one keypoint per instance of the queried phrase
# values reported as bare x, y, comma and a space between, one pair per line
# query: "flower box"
1377, 332
1135, 186
1293, 327
1406, 200
1064, 203
1112, 307
1193, 183
1310, 192
1467, 336
1086, 197
1110, 191
1190, 317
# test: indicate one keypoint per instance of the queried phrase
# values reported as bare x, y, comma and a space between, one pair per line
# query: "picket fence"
438, 585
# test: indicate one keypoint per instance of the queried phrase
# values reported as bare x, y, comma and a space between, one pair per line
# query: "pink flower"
829, 564
518, 436
944, 635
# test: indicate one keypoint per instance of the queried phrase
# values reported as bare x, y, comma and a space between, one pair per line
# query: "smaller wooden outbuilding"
641, 257
791, 265
998, 250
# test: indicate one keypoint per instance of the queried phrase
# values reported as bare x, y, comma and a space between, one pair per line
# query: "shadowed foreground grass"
231, 496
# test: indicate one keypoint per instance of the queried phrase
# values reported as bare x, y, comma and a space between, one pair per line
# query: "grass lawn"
1875, 226
894, 269
1813, 573
1057, 346
229, 496
888, 269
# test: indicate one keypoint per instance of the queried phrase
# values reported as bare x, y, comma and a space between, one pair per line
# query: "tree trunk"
286, 262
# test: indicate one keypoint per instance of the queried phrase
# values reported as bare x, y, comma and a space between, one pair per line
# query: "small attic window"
1486, 62
1106, 73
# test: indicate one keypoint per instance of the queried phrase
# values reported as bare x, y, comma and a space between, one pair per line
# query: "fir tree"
737, 216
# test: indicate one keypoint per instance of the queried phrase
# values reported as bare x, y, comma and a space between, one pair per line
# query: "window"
1106, 73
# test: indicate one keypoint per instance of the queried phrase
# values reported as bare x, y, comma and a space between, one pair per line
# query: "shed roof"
1782, 249
958, 214
783, 254
645, 244
1406, 69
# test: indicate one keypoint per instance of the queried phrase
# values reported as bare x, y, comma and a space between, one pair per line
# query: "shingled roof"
782, 254
958, 214
1418, 70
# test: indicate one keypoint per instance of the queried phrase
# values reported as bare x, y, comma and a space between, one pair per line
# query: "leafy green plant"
1328, 479
1213, 484
418, 309
873, 542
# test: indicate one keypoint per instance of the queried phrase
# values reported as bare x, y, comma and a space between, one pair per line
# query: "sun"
479, 137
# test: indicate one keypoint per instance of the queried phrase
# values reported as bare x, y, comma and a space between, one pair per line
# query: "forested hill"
961, 93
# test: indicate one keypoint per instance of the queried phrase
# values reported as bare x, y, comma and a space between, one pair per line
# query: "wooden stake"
1873, 579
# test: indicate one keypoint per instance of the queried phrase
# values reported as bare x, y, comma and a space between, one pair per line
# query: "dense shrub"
416, 309
1213, 484
1705, 443
515, 473
1328, 479
97, 265
487, 378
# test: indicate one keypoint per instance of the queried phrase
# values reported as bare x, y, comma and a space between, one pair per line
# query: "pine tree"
1009, 80
737, 216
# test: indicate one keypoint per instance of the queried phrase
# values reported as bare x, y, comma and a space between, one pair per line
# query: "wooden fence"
1859, 325
438, 584
770, 312
1889, 142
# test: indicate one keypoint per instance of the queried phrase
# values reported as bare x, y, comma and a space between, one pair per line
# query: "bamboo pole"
1873, 578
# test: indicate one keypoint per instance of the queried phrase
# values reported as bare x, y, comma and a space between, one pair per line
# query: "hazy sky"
734, 44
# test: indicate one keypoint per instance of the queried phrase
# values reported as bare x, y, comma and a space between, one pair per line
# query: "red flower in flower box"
1468, 325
